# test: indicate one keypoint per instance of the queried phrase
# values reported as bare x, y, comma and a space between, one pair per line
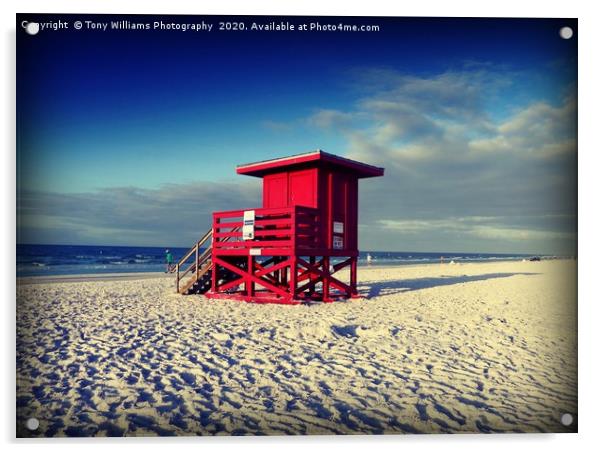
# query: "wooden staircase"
195, 277
195, 270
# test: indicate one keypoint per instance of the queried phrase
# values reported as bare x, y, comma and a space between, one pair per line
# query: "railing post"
196, 260
178, 277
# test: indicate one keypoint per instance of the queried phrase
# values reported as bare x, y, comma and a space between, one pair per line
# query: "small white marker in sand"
452, 262
32, 423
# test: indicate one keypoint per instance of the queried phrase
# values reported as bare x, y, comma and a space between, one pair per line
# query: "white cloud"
174, 214
540, 129
519, 234
447, 158
328, 118
472, 226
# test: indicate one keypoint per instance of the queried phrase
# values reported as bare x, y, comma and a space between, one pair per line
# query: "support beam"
249, 282
259, 281
312, 281
293, 279
353, 277
325, 274
326, 279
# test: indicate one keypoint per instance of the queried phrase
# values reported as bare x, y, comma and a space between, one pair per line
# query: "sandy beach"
487, 347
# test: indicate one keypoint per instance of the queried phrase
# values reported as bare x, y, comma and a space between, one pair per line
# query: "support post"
353, 277
293, 277
178, 277
283, 280
250, 285
312, 286
325, 280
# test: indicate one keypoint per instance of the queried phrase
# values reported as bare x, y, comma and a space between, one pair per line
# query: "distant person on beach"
168, 262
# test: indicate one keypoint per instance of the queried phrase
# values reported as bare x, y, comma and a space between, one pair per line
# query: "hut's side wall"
338, 193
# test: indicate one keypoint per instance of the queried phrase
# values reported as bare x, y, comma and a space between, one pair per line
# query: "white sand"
438, 348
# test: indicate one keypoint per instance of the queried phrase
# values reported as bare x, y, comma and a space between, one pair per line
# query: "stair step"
203, 260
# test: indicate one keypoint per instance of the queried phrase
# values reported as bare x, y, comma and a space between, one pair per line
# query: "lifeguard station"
301, 245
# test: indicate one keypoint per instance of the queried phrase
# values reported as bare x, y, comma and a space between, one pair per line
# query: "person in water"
168, 262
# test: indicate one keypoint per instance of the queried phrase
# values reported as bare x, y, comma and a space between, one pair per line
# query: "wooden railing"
276, 231
194, 269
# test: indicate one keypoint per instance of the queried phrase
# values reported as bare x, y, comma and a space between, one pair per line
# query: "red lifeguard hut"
292, 249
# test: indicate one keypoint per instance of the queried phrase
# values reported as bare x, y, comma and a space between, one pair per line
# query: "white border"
590, 313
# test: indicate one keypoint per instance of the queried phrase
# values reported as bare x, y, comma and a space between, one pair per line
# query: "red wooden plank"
258, 223
229, 285
273, 222
219, 235
228, 213
254, 244
271, 269
245, 251
232, 224
274, 232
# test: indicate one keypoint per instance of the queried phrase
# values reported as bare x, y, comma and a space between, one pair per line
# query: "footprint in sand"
421, 408
188, 378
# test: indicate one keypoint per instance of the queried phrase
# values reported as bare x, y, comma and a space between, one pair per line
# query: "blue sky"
111, 120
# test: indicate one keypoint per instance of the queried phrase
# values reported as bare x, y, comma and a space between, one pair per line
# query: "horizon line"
365, 251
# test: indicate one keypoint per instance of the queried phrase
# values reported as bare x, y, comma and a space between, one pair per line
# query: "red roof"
319, 157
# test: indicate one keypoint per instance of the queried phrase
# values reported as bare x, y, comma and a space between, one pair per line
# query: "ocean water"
40, 260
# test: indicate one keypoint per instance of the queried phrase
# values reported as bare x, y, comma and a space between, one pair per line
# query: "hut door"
275, 190
303, 188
